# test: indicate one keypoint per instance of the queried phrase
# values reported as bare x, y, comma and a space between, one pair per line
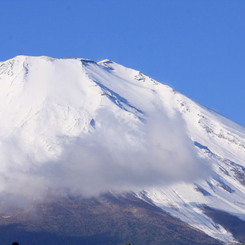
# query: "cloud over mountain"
75, 127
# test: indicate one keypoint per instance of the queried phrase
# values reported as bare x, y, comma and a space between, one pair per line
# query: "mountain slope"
79, 127
107, 219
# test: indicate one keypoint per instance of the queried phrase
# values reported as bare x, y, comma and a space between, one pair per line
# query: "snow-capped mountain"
85, 127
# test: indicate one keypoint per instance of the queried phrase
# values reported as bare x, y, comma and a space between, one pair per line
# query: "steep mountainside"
83, 128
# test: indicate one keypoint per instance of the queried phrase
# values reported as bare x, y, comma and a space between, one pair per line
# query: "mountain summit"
76, 127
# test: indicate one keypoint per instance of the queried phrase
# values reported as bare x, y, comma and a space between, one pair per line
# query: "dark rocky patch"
230, 222
201, 190
109, 220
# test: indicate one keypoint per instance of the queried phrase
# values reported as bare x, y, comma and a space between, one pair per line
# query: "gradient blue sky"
195, 46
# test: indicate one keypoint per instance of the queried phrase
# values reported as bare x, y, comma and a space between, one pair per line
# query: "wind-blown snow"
75, 126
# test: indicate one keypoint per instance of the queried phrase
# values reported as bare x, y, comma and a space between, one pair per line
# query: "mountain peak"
91, 127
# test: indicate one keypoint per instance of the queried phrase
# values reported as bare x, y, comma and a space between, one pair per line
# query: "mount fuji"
99, 153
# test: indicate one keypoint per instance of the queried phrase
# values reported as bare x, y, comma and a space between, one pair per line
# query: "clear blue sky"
195, 46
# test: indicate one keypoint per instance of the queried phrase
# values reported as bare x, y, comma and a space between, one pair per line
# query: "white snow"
145, 130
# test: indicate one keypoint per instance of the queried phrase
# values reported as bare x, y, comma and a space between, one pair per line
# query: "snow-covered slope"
122, 127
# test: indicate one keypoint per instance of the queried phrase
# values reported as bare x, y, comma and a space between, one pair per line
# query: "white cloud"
115, 157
